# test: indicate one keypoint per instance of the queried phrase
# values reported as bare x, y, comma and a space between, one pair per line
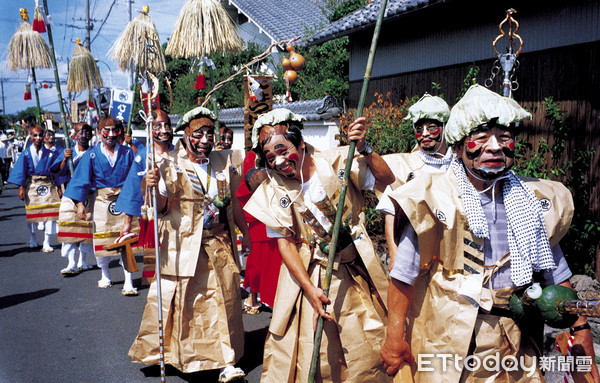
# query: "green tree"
183, 73
30, 115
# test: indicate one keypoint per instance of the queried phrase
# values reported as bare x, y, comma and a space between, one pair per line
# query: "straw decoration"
27, 49
203, 28
83, 71
128, 49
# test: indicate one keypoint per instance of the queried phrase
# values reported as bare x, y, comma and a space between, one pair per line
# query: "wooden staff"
58, 91
340, 208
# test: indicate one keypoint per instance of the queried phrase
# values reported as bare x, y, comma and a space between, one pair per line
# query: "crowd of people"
463, 231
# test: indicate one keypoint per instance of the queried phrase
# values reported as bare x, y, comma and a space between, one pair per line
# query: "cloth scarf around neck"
527, 238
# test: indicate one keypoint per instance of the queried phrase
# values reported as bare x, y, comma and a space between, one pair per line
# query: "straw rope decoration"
27, 48
203, 28
128, 49
83, 71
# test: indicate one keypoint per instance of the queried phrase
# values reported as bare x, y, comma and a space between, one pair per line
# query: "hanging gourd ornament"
297, 61
285, 62
291, 76
289, 48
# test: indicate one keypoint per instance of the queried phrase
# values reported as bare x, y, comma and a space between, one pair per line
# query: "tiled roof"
313, 110
283, 19
365, 17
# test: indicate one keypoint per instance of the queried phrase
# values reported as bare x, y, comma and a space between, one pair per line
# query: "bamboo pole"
63, 115
340, 208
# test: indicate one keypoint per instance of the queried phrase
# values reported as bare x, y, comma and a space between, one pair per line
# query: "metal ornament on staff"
507, 61
340, 208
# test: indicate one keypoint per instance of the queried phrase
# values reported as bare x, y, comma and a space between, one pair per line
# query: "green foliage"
580, 242
345, 8
30, 115
470, 79
183, 76
326, 72
387, 133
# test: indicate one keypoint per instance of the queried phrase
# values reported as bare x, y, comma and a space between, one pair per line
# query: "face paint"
37, 136
49, 138
282, 156
428, 135
110, 135
489, 152
162, 132
200, 136
84, 137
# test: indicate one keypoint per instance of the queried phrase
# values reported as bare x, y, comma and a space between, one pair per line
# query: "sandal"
251, 310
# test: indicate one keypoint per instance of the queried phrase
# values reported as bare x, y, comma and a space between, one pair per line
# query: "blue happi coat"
63, 176
131, 199
24, 168
94, 172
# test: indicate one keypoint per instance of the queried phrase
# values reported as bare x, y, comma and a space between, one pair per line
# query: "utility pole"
2, 86
87, 24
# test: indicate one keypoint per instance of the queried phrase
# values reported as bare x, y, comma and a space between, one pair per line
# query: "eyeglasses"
431, 128
37, 135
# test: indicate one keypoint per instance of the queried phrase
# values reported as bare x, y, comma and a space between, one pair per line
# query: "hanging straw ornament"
203, 28
83, 71
27, 48
128, 50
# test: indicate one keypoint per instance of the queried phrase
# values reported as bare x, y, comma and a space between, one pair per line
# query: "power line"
104, 21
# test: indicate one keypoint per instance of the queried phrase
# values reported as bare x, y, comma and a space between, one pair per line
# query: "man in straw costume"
199, 275
37, 187
477, 232
297, 203
428, 116
103, 168
74, 233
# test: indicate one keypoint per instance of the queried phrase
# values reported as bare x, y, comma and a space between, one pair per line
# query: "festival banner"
258, 99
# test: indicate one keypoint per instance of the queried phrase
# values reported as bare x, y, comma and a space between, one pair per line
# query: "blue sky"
163, 12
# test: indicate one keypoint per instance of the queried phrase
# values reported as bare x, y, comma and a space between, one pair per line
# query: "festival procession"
281, 191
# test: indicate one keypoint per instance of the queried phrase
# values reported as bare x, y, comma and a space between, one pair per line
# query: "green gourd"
521, 303
547, 303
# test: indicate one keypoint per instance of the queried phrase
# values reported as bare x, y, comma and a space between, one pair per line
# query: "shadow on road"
15, 299
15, 251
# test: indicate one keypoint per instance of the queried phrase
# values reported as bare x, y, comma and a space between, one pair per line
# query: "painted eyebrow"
279, 146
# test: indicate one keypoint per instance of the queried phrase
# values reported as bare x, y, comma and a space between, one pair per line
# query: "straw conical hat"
128, 50
83, 71
27, 48
203, 28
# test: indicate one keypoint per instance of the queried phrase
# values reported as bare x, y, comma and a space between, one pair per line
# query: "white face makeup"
488, 151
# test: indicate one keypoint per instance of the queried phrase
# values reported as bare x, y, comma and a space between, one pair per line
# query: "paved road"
57, 329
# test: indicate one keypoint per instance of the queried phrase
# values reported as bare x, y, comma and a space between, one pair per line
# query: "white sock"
84, 249
102, 263
32, 239
69, 250
128, 284
48, 231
